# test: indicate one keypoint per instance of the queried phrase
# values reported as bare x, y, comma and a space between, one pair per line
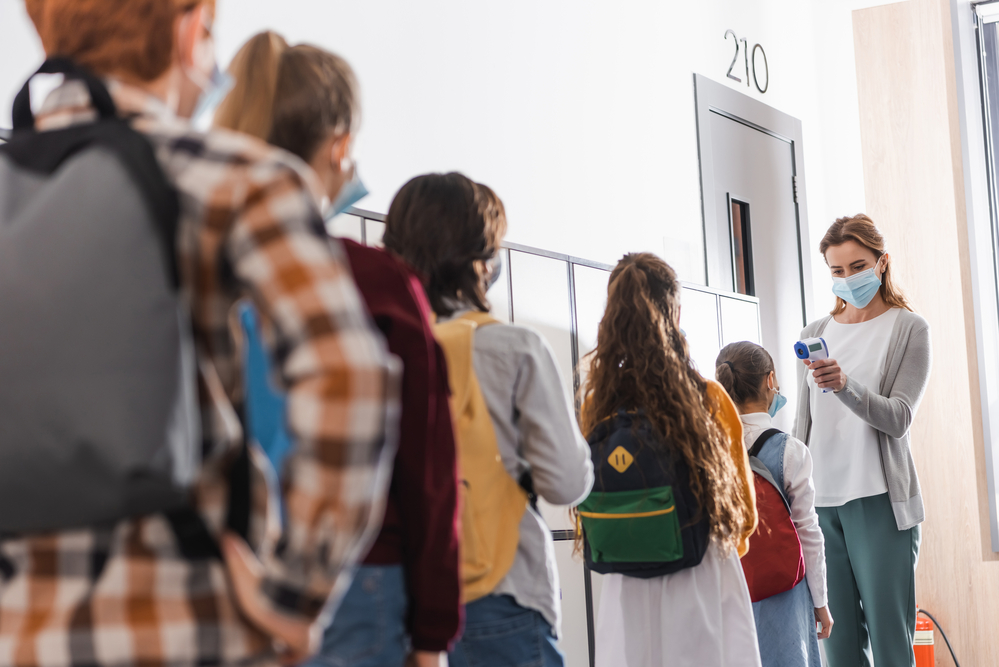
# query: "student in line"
866, 489
137, 591
449, 229
405, 597
786, 622
653, 421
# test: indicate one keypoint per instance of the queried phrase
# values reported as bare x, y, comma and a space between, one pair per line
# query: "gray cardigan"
890, 410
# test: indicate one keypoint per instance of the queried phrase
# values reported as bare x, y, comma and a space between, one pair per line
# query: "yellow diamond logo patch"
620, 459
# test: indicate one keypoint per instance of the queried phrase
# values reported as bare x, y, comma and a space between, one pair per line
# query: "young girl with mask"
404, 603
677, 429
866, 490
786, 622
449, 229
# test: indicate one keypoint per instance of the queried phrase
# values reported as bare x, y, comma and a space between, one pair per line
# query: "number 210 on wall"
746, 57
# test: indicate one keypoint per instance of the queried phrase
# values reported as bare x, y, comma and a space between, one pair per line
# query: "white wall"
579, 113
20, 53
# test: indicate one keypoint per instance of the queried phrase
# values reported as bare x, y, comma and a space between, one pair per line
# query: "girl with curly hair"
678, 426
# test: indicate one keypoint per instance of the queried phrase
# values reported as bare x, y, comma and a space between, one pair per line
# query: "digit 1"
745, 53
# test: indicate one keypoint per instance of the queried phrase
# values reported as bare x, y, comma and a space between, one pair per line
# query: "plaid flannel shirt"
124, 594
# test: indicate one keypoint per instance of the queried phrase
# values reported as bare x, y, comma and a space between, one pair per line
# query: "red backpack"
775, 562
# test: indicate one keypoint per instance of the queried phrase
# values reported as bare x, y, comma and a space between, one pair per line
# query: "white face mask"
214, 88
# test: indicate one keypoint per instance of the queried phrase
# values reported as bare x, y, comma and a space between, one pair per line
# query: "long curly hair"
642, 362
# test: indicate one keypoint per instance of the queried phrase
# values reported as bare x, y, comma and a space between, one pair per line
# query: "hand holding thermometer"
812, 349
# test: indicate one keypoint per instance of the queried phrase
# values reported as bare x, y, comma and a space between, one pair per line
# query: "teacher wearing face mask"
854, 412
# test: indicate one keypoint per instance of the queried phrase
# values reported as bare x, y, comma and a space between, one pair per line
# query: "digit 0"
766, 67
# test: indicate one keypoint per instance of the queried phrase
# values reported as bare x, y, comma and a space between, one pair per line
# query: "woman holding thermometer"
856, 401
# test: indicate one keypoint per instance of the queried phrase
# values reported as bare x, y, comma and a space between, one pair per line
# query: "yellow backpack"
492, 502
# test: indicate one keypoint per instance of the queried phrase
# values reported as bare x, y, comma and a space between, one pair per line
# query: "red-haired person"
866, 489
133, 591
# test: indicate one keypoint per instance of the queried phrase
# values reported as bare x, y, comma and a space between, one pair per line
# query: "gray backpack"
98, 397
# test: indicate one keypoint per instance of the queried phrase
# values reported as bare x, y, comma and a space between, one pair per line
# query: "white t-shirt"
845, 448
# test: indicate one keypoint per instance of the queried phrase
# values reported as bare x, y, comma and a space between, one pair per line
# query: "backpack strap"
760, 469
456, 339
45, 152
22, 115
762, 440
460, 333
526, 480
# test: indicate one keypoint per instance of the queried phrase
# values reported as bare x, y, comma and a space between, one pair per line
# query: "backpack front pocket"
632, 526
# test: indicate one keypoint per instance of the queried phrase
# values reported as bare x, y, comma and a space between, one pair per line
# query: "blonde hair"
293, 97
862, 230
249, 106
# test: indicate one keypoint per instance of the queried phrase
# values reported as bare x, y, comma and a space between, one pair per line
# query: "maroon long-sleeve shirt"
421, 527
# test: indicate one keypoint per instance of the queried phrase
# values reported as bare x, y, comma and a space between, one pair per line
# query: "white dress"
698, 617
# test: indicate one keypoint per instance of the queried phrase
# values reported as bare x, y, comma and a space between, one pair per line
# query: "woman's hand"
298, 640
825, 619
427, 659
827, 374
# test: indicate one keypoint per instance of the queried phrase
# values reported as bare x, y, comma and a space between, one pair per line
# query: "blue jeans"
785, 626
501, 633
369, 629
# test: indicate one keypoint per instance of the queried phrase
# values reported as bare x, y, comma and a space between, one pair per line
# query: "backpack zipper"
635, 515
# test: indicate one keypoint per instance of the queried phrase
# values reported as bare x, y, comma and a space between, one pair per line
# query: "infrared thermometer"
812, 349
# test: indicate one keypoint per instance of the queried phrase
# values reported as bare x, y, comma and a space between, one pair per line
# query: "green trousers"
872, 584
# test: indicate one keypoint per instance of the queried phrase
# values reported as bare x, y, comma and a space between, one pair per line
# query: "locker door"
541, 300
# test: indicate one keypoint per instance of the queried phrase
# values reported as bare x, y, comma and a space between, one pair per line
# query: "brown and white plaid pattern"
124, 594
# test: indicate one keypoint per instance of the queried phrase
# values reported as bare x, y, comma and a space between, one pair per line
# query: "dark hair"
292, 97
742, 368
643, 362
448, 228
862, 230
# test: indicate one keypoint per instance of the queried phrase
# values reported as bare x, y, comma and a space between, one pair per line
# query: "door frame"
711, 97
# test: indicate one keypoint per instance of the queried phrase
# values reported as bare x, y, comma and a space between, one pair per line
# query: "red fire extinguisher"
923, 644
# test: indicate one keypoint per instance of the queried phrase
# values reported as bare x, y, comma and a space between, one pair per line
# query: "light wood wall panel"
914, 185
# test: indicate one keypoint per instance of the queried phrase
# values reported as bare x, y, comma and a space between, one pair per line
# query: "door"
750, 171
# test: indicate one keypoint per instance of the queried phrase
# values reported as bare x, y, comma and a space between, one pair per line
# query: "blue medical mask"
212, 94
352, 192
213, 89
858, 290
776, 404
495, 270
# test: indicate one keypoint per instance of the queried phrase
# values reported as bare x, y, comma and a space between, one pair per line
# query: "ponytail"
249, 107
741, 369
294, 97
